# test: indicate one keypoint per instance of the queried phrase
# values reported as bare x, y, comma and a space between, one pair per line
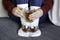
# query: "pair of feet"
29, 32
29, 29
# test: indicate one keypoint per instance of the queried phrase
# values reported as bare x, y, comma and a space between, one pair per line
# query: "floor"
8, 31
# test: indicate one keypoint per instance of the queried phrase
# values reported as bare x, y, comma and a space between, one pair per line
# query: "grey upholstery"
8, 31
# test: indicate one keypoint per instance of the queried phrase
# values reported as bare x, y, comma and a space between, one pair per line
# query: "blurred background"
3, 12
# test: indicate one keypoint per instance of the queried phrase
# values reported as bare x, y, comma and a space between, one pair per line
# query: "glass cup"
27, 13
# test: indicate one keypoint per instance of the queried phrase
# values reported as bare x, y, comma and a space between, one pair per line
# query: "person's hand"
17, 11
37, 14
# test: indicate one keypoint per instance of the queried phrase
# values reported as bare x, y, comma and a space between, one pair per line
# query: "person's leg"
35, 27
14, 18
23, 31
42, 20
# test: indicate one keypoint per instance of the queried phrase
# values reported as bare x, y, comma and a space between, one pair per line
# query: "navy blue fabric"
32, 3
43, 18
14, 18
14, 2
21, 1
36, 2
